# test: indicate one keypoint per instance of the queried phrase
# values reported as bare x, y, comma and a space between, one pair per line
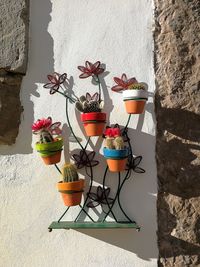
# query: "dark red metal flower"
85, 159
56, 80
123, 83
133, 164
90, 69
99, 198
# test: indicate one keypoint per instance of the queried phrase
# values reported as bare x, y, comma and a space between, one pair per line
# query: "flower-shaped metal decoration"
46, 124
123, 83
99, 198
90, 69
85, 159
133, 164
55, 81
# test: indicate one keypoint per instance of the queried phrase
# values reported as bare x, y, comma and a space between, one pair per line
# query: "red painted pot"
94, 123
93, 116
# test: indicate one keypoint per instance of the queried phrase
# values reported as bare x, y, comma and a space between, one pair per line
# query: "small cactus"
44, 129
69, 173
118, 143
88, 103
45, 137
138, 86
109, 142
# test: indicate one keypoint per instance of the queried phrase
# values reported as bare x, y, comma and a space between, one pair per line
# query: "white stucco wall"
63, 34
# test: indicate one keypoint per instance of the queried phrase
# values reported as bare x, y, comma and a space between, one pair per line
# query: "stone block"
14, 16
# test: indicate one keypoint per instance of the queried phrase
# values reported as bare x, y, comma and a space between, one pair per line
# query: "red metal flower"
56, 80
123, 83
90, 69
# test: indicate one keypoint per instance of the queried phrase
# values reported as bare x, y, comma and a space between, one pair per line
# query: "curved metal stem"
113, 203
110, 209
57, 168
99, 84
118, 199
83, 148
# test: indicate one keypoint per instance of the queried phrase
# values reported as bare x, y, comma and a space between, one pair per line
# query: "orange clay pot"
116, 165
134, 106
52, 159
94, 128
69, 197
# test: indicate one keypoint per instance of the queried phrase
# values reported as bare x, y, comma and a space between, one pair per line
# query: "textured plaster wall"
63, 34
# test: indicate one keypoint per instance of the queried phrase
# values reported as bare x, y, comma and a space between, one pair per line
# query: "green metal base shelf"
91, 225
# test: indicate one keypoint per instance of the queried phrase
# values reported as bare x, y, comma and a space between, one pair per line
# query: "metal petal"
99, 192
85, 75
62, 78
124, 78
92, 196
137, 160
117, 88
138, 170
48, 85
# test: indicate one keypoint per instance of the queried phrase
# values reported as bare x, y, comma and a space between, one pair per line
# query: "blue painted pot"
115, 154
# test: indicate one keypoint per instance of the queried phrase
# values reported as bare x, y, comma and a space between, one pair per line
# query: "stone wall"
13, 62
177, 102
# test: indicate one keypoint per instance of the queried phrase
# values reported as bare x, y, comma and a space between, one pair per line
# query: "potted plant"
93, 119
71, 188
135, 94
49, 148
115, 151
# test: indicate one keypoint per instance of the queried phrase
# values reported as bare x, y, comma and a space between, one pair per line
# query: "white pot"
134, 94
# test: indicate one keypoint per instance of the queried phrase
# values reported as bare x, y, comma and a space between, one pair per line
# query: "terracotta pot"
71, 192
116, 165
116, 159
94, 123
134, 106
94, 128
50, 152
53, 159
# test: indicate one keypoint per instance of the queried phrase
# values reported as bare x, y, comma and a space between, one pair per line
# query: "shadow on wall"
178, 158
137, 196
40, 62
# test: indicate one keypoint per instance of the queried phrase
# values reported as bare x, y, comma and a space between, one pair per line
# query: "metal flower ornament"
123, 83
90, 69
55, 81
84, 159
133, 165
99, 198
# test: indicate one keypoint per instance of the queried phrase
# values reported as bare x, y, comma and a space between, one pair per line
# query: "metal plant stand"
102, 196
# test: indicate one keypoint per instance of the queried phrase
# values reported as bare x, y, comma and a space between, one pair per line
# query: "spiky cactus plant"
69, 173
109, 142
138, 86
44, 129
88, 103
45, 136
118, 143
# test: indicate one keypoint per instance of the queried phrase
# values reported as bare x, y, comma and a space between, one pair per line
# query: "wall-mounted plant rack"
86, 159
